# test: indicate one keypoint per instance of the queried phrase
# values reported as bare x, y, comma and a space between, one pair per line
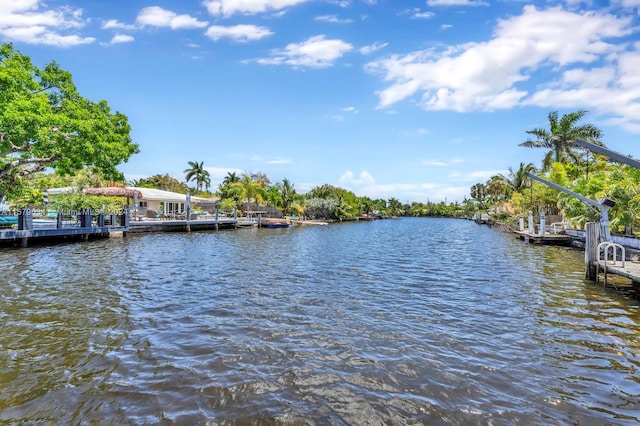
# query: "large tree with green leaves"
46, 124
559, 138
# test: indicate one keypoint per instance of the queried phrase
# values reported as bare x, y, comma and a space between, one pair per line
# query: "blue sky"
416, 100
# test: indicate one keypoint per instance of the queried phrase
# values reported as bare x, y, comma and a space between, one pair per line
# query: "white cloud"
349, 178
367, 50
249, 7
423, 15
121, 38
315, 52
30, 22
332, 19
350, 109
485, 76
445, 26
158, 17
115, 24
239, 33
416, 13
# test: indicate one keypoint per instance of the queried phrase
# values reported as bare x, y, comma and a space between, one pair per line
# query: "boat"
277, 224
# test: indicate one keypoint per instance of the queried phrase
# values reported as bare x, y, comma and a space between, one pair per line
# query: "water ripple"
407, 321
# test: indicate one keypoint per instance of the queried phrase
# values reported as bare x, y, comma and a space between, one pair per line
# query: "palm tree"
518, 180
560, 137
479, 193
252, 190
231, 177
198, 173
287, 193
395, 207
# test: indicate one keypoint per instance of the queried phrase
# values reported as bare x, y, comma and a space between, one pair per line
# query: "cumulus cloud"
29, 21
315, 52
487, 75
238, 33
349, 178
249, 7
156, 16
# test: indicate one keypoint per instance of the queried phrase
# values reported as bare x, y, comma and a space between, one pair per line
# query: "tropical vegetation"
564, 163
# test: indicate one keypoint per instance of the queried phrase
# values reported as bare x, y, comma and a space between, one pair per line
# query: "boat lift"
603, 205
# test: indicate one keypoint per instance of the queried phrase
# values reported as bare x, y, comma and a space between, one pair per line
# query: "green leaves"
46, 123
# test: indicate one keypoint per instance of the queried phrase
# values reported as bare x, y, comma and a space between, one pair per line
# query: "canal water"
407, 321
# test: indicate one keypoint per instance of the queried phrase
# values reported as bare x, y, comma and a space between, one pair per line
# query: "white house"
167, 202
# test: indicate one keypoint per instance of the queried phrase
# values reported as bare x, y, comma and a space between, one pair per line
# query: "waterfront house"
166, 202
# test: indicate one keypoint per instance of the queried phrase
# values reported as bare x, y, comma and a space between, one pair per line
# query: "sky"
415, 100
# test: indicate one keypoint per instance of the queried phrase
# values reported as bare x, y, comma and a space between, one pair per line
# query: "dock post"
124, 218
531, 227
85, 218
101, 220
25, 219
188, 212
521, 224
543, 225
217, 209
592, 236
59, 220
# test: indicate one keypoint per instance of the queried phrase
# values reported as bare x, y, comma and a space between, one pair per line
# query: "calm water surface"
408, 321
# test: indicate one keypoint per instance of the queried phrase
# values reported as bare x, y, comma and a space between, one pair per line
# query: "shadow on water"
429, 321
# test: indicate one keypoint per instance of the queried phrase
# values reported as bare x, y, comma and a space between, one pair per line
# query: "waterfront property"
166, 204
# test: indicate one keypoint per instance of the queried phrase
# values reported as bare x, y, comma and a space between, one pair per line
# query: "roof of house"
153, 194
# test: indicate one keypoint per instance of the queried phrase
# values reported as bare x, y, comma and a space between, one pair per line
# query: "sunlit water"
408, 321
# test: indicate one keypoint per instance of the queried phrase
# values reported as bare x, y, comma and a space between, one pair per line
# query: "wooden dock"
630, 270
546, 238
88, 226
181, 225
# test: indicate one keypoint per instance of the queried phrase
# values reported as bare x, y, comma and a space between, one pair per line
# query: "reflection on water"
431, 321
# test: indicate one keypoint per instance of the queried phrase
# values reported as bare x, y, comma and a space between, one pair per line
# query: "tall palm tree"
560, 137
198, 173
287, 193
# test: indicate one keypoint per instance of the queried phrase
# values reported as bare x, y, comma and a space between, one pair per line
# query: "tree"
252, 190
197, 172
560, 137
164, 182
518, 180
46, 123
287, 193
479, 193
230, 178
395, 207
